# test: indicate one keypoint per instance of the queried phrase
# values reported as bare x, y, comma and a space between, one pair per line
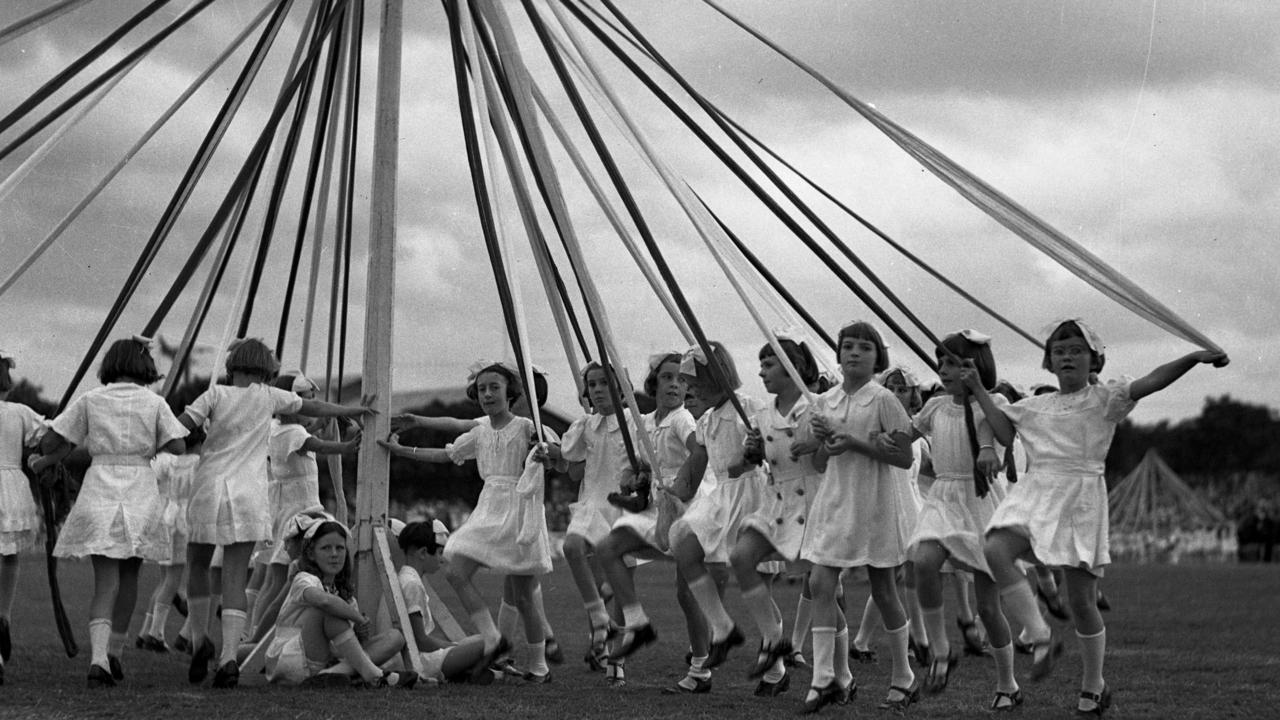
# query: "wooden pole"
373, 478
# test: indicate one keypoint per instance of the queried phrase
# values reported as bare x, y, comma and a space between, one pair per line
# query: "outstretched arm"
1164, 376
435, 455
405, 421
320, 408
332, 447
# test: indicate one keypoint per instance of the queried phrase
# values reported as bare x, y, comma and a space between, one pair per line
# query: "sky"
1143, 130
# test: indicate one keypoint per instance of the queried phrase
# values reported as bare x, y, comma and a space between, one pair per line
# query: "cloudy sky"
1144, 130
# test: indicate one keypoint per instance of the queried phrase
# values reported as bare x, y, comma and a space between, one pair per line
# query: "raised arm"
332, 447
1165, 375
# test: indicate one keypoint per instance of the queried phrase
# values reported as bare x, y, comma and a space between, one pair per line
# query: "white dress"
174, 474
229, 500
864, 512
20, 427
1060, 503
783, 516
596, 440
953, 514
507, 531
716, 516
120, 425
295, 482
669, 438
286, 658
416, 601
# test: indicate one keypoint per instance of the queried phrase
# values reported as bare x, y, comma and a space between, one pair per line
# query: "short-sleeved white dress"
229, 499
1060, 503
121, 425
715, 517
20, 427
953, 514
286, 658
597, 440
864, 512
295, 482
507, 531
669, 438
783, 515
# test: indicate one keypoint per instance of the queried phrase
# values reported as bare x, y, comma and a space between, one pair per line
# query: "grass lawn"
1189, 641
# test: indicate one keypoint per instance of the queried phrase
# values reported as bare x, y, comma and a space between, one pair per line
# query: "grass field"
1191, 641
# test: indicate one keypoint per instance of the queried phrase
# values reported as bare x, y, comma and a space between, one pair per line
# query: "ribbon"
479, 366
148, 343
974, 336
655, 360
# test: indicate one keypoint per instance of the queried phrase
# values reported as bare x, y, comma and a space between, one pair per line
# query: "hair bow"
1091, 337
302, 383
908, 378
481, 365
655, 360
302, 522
395, 525
441, 530
974, 336
312, 529
692, 355
146, 342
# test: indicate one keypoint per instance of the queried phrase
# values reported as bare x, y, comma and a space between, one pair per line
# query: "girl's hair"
799, 355
1065, 331
514, 388
252, 357
128, 358
1009, 391
721, 356
420, 534
979, 353
651, 380
862, 330
6, 380
586, 372
917, 400
342, 581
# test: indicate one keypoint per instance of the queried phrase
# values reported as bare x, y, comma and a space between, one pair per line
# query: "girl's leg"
750, 549
1002, 549
697, 678
254, 589
1082, 592
866, 630
577, 553
122, 611
822, 583
274, 581
235, 570
911, 603
929, 557
689, 558
459, 573
462, 657
533, 632
320, 631
106, 583
553, 651
998, 633
884, 589
611, 551
8, 588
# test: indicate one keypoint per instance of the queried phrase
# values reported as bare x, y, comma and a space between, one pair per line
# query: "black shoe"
863, 657
907, 696
919, 651
635, 503
935, 682
228, 675
1052, 603
183, 644
1023, 648
974, 643
633, 640
767, 656
140, 642
1101, 701
100, 678
117, 670
698, 687
200, 660
481, 668
819, 698
180, 604
1006, 702
156, 645
719, 651
768, 689
552, 652
536, 679
6, 644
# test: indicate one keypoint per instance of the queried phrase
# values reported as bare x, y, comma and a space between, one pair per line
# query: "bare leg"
459, 573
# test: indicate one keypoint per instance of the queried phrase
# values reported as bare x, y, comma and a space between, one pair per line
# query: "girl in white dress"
20, 427
597, 441
174, 474
320, 622
229, 501
958, 507
507, 531
122, 425
863, 512
1057, 512
671, 429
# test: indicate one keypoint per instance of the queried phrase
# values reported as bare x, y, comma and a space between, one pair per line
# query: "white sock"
1005, 681
233, 622
898, 643
159, 618
775, 672
146, 624
348, 647
1092, 650
867, 627
824, 649
115, 643
633, 615
697, 668
760, 603
99, 637
1020, 606
843, 674
597, 616
704, 591
538, 658
198, 617
800, 630
936, 626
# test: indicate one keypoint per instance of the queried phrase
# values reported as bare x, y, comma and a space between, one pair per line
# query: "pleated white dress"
1060, 504
864, 512
716, 515
20, 427
507, 531
783, 515
597, 441
670, 438
121, 425
229, 498
953, 515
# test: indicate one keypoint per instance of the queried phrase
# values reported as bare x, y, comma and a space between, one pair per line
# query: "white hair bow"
481, 365
148, 343
1091, 337
655, 360
692, 355
975, 337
